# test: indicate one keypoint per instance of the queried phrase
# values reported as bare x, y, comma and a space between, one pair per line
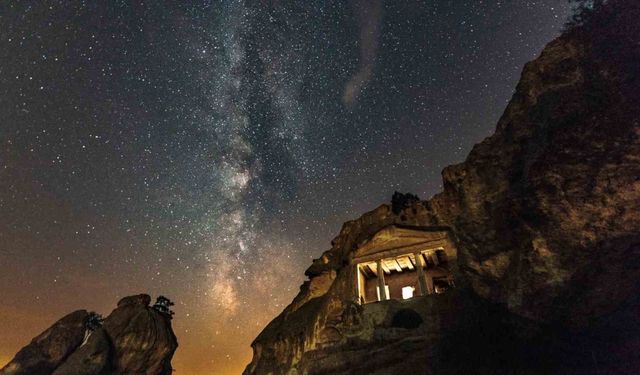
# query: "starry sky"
209, 150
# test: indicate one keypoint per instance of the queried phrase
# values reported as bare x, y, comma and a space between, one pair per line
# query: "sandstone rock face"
545, 215
92, 358
142, 338
50, 348
134, 339
547, 207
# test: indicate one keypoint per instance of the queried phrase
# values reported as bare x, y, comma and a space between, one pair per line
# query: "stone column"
430, 284
357, 277
434, 258
381, 283
422, 280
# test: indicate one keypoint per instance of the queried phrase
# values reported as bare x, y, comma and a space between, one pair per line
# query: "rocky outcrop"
92, 358
134, 339
546, 209
545, 215
143, 340
49, 349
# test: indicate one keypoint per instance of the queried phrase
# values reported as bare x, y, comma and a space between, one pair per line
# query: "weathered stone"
134, 339
142, 338
138, 300
92, 358
49, 349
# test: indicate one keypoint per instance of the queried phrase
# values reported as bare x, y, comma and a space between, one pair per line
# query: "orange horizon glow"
213, 339
194, 356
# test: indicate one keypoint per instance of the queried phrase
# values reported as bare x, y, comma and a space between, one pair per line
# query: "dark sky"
209, 151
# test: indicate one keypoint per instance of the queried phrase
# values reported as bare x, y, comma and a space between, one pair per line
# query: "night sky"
209, 151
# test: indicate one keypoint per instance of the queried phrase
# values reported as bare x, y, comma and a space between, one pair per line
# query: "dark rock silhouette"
92, 358
49, 349
133, 339
142, 337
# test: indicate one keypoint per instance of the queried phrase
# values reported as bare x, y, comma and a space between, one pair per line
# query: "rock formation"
134, 339
545, 218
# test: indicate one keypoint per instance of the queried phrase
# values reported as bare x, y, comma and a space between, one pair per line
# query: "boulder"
49, 349
142, 337
91, 358
134, 339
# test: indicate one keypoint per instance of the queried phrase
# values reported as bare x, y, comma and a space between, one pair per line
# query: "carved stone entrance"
402, 262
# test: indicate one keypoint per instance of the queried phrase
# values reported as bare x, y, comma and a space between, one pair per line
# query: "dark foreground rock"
545, 218
47, 351
134, 339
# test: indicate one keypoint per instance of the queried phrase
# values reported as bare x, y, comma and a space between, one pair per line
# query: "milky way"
208, 151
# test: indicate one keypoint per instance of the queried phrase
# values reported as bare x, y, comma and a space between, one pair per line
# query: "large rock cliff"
134, 339
545, 216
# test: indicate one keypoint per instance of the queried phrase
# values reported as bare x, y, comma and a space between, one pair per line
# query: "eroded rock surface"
49, 349
142, 338
545, 215
92, 358
134, 339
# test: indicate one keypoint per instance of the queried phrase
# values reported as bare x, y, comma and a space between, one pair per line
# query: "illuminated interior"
401, 262
401, 276
407, 292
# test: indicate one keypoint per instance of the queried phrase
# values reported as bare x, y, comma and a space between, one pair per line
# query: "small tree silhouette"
401, 201
584, 10
163, 305
93, 321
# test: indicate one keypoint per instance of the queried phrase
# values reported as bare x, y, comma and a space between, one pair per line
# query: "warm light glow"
407, 292
4, 360
386, 288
